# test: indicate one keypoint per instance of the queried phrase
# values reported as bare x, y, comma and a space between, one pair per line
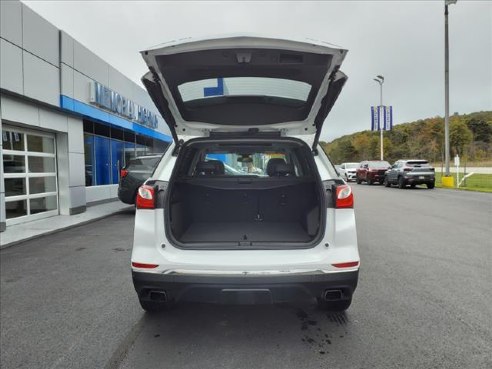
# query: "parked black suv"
410, 172
134, 174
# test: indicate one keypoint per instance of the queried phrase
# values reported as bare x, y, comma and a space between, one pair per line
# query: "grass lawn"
477, 182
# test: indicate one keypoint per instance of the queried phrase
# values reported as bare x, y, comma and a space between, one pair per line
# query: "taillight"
349, 264
144, 265
344, 197
407, 169
145, 197
123, 173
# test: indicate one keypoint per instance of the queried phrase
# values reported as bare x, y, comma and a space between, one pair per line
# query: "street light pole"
380, 79
446, 86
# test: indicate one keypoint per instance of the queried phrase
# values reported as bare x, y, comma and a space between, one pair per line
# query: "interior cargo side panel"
290, 203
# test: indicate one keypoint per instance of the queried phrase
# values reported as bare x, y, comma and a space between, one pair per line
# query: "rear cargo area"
201, 213
245, 193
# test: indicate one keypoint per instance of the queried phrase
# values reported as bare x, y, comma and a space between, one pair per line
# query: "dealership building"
69, 121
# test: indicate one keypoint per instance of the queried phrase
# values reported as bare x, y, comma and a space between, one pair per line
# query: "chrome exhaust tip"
158, 296
332, 295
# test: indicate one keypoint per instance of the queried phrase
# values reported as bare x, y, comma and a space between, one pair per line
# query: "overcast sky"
402, 40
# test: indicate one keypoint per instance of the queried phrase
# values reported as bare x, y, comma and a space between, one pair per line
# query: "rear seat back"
277, 167
209, 168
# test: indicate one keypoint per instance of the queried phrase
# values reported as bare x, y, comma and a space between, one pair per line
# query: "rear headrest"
277, 167
219, 166
282, 170
210, 167
272, 163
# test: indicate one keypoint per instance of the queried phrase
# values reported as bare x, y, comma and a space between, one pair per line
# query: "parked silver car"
410, 172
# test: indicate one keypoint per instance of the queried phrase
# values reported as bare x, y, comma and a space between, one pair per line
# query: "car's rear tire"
430, 185
412, 185
401, 183
335, 306
370, 182
386, 182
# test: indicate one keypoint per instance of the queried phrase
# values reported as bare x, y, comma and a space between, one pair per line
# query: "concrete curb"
63, 228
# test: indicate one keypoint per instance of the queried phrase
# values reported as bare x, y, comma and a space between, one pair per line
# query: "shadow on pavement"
259, 335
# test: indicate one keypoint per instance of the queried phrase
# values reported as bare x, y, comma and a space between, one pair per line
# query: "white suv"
245, 207
348, 171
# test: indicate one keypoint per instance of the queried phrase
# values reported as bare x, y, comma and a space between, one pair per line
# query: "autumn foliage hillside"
470, 137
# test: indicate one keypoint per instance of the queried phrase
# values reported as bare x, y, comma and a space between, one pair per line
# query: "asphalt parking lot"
423, 300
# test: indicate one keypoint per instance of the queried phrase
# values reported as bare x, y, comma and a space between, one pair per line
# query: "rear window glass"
379, 164
147, 164
417, 163
244, 86
255, 164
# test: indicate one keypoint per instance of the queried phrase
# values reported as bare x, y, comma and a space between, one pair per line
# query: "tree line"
470, 136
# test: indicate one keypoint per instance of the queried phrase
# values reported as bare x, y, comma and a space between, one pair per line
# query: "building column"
71, 168
3, 224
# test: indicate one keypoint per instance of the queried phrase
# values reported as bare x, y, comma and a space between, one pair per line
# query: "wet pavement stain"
80, 248
310, 340
11, 280
301, 314
319, 334
338, 318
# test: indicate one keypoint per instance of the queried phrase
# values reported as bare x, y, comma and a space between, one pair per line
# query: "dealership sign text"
108, 99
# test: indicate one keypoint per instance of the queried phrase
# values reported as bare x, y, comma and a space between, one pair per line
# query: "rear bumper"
245, 289
351, 176
417, 180
375, 177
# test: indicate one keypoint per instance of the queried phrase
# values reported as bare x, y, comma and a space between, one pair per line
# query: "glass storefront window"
89, 159
140, 150
12, 140
117, 159
15, 186
14, 209
42, 184
38, 164
103, 162
42, 204
108, 149
159, 146
29, 163
40, 144
14, 164
129, 152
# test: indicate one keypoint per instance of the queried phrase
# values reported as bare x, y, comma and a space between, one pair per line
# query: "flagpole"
380, 79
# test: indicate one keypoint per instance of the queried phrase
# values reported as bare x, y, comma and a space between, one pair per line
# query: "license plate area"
246, 296
421, 177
